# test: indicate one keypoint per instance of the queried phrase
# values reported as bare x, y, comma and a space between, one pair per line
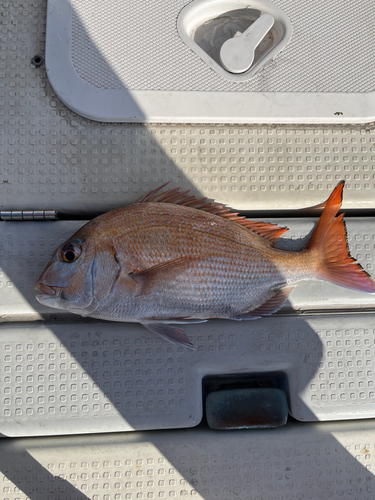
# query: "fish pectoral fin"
169, 332
272, 304
161, 273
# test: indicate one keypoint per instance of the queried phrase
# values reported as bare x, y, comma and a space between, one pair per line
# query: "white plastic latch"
237, 54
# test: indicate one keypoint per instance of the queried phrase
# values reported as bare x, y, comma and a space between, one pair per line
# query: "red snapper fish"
171, 258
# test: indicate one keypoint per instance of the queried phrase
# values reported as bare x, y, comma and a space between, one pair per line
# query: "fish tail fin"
329, 242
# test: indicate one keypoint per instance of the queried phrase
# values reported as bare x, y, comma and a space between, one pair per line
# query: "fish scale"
197, 236
171, 258
195, 291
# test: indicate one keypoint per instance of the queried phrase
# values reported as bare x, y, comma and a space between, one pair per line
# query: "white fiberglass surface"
333, 460
126, 62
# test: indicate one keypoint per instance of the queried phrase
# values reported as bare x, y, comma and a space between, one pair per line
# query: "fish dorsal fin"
269, 231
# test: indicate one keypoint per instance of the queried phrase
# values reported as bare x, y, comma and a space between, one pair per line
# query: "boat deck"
71, 389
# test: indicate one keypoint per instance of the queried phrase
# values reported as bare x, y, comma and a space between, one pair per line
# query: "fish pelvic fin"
329, 243
269, 231
169, 332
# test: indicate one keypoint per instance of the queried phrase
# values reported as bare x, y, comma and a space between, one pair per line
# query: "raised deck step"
26, 247
102, 377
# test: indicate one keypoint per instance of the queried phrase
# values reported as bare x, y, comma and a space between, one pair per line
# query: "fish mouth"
48, 292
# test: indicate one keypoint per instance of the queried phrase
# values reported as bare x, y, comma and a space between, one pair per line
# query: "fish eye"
70, 252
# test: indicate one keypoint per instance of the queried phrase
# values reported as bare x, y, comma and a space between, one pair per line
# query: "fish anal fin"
328, 247
169, 332
271, 305
269, 231
180, 321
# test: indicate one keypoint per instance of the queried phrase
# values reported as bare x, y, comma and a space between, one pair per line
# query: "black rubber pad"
246, 409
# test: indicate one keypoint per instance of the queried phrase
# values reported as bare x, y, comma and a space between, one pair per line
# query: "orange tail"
329, 241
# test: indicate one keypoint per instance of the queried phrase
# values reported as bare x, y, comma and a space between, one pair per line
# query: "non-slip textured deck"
53, 159
78, 378
299, 461
58, 377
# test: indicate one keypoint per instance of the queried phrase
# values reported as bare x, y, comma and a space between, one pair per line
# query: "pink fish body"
170, 258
